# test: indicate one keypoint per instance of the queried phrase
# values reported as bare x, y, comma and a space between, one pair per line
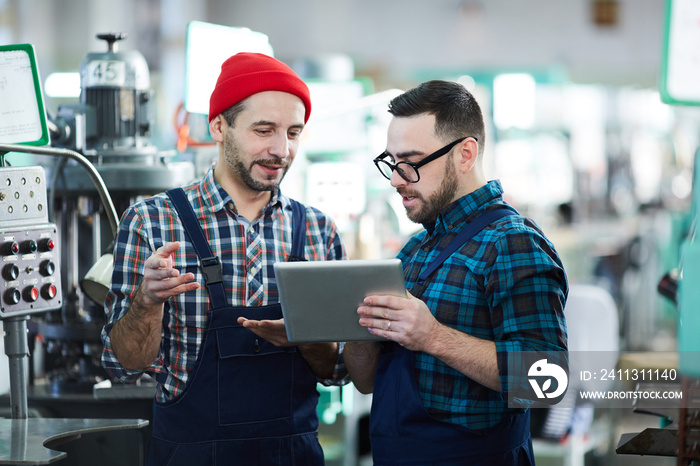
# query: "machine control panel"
29, 265
30, 280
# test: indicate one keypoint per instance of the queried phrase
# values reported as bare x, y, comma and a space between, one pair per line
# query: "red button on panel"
31, 294
11, 248
49, 291
47, 244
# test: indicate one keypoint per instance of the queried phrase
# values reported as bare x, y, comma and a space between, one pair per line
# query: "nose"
282, 146
397, 180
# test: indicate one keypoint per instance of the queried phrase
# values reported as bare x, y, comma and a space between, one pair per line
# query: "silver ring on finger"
388, 326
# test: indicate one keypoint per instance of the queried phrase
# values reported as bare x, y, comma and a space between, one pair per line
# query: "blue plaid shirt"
506, 285
148, 224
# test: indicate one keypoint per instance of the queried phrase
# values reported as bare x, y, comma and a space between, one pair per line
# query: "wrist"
437, 339
144, 305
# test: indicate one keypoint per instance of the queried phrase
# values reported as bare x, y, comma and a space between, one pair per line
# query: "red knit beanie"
245, 74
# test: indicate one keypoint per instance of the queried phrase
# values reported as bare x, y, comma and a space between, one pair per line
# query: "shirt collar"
217, 198
466, 206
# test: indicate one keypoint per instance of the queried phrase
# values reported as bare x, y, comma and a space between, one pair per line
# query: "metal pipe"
17, 352
92, 172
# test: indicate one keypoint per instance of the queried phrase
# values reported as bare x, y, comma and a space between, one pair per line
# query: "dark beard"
444, 196
235, 163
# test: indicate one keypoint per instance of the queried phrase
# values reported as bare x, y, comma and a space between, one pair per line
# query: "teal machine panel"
680, 75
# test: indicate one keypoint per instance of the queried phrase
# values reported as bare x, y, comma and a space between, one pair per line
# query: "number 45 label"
106, 73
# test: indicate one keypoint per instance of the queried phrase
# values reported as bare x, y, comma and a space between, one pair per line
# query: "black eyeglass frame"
415, 165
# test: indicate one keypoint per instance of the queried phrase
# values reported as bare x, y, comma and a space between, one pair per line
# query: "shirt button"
450, 227
426, 249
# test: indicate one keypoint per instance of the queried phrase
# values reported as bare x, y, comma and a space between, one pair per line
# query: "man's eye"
263, 132
294, 134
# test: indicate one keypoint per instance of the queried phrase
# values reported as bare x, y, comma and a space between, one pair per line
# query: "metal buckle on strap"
211, 269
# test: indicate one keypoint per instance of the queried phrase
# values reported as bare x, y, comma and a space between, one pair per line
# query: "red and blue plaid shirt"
506, 285
148, 224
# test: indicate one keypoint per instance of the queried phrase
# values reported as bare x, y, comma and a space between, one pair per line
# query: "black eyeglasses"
409, 170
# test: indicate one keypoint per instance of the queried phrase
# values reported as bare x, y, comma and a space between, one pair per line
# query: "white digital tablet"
319, 299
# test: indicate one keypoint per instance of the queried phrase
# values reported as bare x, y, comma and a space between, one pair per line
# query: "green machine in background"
689, 290
680, 419
680, 85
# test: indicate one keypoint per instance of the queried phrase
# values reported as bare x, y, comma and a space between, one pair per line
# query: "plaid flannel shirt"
148, 224
506, 285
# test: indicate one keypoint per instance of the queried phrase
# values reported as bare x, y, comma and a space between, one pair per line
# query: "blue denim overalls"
246, 402
404, 433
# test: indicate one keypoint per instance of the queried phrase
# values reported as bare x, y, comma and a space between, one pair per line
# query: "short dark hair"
233, 111
457, 113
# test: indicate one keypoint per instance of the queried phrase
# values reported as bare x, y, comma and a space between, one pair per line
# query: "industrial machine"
31, 270
57, 220
31, 275
111, 126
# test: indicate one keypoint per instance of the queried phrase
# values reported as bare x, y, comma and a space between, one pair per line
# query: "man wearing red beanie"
194, 301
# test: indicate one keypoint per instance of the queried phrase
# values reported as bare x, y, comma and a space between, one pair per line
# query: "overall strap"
298, 231
208, 262
474, 227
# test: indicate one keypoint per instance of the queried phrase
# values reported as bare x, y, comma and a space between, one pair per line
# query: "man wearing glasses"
483, 281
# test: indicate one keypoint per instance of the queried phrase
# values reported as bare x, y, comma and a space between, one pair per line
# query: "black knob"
111, 39
29, 246
12, 296
47, 268
10, 272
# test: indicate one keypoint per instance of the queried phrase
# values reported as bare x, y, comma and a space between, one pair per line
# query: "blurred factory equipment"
31, 254
31, 279
592, 325
679, 85
110, 127
681, 436
31, 273
688, 299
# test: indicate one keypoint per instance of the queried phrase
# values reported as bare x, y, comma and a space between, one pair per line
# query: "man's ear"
468, 151
217, 126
